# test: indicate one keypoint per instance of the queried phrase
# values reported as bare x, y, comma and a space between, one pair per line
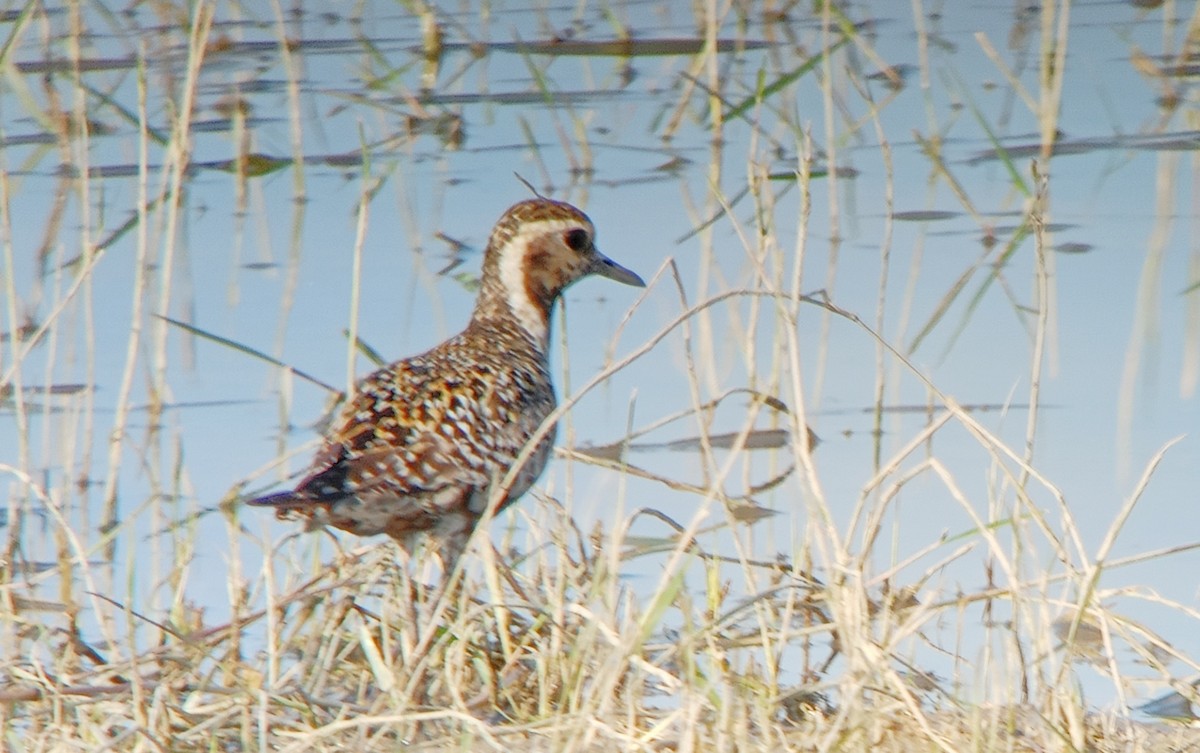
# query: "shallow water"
921, 134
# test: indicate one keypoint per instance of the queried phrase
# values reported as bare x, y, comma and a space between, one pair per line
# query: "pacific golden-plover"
419, 445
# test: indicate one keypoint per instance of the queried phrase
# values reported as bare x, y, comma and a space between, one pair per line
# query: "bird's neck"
510, 296
513, 310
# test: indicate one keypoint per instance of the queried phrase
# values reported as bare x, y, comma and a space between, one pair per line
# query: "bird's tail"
283, 502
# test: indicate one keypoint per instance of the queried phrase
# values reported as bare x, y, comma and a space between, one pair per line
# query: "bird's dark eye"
577, 239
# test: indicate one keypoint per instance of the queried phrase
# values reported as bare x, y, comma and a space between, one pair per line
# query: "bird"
418, 447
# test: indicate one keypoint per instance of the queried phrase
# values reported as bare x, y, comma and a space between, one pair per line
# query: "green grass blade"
245, 349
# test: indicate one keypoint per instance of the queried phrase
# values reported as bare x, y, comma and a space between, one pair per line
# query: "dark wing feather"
450, 417
419, 443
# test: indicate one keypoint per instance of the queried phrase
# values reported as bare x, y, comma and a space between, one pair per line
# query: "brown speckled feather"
419, 445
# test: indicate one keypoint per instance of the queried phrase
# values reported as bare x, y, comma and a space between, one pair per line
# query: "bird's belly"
378, 506
394, 514
530, 472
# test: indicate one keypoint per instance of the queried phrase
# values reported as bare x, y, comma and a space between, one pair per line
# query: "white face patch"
512, 276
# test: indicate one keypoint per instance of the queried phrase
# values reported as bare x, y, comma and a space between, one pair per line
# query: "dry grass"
543, 642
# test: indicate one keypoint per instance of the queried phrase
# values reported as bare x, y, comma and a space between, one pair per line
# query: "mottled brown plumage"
420, 444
